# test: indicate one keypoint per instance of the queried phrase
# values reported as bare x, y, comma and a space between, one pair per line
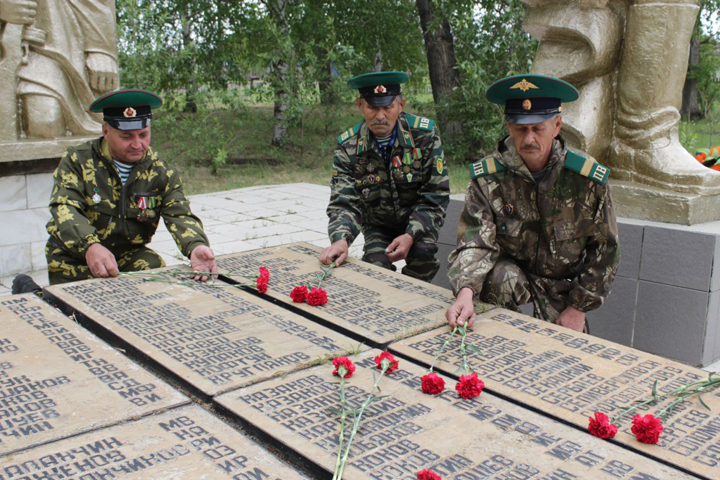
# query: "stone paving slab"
375, 303
213, 337
570, 376
184, 443
407, 431
57, 380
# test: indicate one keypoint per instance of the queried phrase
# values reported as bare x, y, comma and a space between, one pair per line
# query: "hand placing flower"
428, 475
383, 357
647, 428
601, 427
432, 384
299, 294
469, 386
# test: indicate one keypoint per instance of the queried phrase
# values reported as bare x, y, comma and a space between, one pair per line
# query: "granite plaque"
184, 443
406, 431
57, 379
571, 375
375, 303
215, 337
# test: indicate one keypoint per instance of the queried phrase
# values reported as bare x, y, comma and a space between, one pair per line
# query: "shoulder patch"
486, 166
587, 167
420, 123
351, 132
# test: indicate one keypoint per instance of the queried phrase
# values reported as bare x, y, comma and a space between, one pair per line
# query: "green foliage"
219, 160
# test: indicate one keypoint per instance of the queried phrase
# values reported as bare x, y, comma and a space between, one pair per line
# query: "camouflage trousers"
420, 262
64, 268
508, 286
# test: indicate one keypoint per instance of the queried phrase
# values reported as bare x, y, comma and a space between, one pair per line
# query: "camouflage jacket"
560, 228
410, 193
86, 173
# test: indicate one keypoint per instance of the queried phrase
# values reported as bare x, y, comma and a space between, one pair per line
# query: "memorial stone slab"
570, 376
375, 303
212, 337
57, 379
406, 431
183, 443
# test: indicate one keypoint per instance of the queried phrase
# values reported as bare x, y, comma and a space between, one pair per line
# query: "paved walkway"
252, 218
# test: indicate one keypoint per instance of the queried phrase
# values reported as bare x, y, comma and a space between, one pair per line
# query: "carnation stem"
442, 348
463, 350
343, 414
356, 424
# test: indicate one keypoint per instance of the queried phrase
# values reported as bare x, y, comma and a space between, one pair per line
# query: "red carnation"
299, 294
646, 428
601, 427
432, 384
343, 362
428, 475
386, 356
469, 386
262, 280
317, 296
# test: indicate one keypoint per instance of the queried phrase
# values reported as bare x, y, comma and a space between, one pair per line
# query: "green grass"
699, 134
190, 141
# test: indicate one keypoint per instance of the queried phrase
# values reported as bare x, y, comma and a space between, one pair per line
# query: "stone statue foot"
668, 167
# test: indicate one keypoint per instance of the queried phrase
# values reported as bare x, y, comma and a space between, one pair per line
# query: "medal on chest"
96, 197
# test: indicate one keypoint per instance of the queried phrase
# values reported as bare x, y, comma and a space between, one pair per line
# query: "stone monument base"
647, 203
23, 150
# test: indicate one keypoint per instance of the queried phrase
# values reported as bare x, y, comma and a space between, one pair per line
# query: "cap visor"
529, 119
381, 101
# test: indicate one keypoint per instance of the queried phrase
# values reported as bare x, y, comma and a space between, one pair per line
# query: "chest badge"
509, 209
366, 192
96, 197
370, 167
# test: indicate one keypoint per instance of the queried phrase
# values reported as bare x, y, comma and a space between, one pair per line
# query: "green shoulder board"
419, 123
349, 133
486, 166
587, 167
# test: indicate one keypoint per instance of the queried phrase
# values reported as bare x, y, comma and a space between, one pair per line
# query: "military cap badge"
129, 112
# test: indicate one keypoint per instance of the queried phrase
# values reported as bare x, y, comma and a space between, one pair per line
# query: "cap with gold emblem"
379, 89
127, 109
531, 98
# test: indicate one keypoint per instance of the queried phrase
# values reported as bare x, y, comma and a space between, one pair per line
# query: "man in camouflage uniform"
538, 224
389, 182
101, 222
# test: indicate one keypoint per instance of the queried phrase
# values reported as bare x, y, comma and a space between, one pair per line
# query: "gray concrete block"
441, 279
670, 321
715, 280
711, 352
677, 258
614, 321
448, 234
631, 239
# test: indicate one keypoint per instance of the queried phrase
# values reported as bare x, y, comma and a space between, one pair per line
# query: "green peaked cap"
126, 98
531, 86
374, 79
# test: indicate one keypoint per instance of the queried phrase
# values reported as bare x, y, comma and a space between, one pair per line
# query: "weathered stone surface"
571, 376
407, 431
378, 304
215, 337
183, 443
57, 380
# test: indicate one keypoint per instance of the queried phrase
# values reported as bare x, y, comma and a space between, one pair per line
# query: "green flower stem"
356, 425
343, 414
681, 394
326, 272
442, 348
463, 350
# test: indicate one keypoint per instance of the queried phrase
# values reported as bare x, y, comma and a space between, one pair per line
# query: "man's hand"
572, 318
399, 248
22, 12
337, 252
103, 72
202, 259
101, 261
462, 310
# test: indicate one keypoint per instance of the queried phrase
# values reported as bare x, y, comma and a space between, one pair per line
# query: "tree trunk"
191, 89
444, 77
690, 106
327, 94
378, 62
282, 103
